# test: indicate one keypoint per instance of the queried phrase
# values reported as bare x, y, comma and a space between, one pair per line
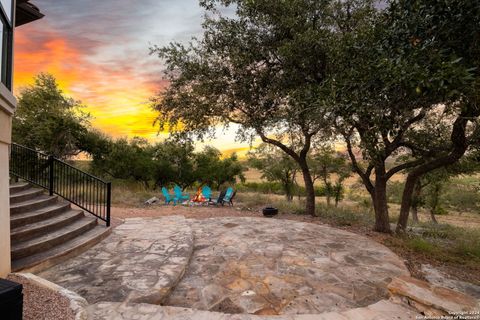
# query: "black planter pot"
269, 211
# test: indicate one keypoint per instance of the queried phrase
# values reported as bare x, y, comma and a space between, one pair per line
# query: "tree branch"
403, 166
277, 143
357, 168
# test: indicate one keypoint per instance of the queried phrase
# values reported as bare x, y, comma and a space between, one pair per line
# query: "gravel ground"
40, 303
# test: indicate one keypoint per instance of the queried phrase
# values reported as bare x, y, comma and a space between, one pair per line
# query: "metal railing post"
109, 202
50, 175
88, 192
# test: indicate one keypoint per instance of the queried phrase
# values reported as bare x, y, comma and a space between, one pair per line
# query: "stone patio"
381, 310
229, 265
141, 261
269, 266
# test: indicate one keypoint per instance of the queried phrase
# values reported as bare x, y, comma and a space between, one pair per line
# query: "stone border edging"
383, 309
432, 300
78, 304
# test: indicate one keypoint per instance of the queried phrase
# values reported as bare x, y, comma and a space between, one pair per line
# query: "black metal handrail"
80, 188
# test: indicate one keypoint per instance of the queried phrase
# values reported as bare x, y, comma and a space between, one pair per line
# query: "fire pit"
270, 212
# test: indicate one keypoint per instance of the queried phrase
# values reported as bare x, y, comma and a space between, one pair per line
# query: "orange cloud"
116, 95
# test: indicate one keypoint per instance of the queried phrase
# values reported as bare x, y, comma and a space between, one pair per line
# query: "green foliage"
276, 166
163, 164
174, 163
49, 121
124, 159
420, 245
262, 187
446, 243
408, 85
462, 197
277, 188
216, 171
394, 191
260, 69
332, 169
264, 69
345, 216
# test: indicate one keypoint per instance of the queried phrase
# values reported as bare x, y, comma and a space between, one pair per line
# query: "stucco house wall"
7, 107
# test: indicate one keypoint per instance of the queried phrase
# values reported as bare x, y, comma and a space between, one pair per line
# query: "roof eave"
26, 13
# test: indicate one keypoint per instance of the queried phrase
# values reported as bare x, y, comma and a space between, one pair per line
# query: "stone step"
18, 186
142, 261
25, 195
22, 219
33, 204
36, 229
381, 310
50, 240
64, 251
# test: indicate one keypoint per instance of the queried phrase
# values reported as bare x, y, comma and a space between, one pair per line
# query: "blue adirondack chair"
207, 193
168, 197
179, 194
219, 200
229, 194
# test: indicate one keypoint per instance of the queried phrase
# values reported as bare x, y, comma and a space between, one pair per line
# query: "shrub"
261, 187
344, 216
462, 197
395, 191
420, 244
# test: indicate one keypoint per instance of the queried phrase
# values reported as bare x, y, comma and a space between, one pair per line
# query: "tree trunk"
416, 201
338, 191
288, 188
415, 213
328, 200
309, 189
460, 145
432, 215
408, 190
380, 205
288, 193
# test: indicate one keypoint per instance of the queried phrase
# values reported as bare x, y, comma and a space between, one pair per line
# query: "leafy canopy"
49, 121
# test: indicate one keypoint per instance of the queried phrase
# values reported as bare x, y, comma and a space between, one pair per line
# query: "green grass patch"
444, 243
419, 244
131, 193
267, 187
345, 216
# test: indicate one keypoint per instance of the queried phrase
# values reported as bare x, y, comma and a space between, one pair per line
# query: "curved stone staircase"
46, 230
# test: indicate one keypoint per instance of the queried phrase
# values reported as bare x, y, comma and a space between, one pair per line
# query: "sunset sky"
99, 53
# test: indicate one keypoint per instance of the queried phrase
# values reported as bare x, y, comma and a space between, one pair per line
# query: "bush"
276, 188
261, 187
344, 216
445, 243
420, 244
320, 191
131, 193
462, 197
395, 191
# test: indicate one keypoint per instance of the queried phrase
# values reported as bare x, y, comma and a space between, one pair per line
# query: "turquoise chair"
229, 194
179, 194
207, 193
168, 197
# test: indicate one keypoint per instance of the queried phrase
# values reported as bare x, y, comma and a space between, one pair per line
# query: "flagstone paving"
141, 261
270, 266
381, 310
228, 265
